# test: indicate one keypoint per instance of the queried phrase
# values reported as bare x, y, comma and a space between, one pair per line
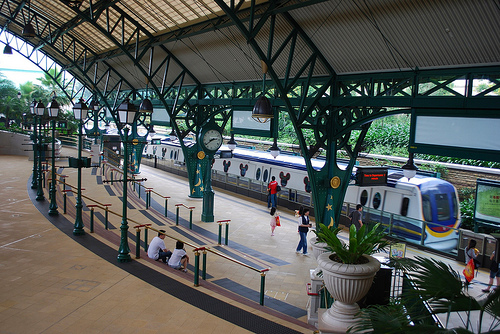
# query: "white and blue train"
407, 206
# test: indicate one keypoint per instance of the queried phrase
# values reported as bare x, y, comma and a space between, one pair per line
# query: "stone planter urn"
347, 283
317, 248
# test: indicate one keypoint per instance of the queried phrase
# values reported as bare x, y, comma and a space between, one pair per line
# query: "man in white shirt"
157, 250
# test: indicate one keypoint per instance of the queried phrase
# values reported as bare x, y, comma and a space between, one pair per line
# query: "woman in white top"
179, 258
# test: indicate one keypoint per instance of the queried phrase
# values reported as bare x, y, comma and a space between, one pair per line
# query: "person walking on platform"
356, 217
304, 226
272, 189
471, 252
179, 258
157, 250
494, 272
275, 217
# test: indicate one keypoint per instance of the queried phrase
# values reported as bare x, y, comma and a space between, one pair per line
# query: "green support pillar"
207, 214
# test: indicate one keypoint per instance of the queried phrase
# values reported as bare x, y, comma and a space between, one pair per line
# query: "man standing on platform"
272, 189
356, 217
157, 250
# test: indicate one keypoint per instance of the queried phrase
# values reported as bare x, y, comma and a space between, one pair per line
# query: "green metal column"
207, 214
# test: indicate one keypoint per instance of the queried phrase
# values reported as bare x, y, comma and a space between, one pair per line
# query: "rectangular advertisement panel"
487, 207
244, 124
435, 131
160, 117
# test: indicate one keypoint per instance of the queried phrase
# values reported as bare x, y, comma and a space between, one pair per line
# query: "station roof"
353, 36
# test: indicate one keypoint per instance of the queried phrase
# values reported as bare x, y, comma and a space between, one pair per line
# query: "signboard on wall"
160, 117
371, 176
487, 208
244, 124
441, 132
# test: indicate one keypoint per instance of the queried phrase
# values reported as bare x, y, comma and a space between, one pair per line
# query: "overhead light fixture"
409, 169
127, 112
53, 107
262, 111
146, 106
275, 150
172, 135
29, 31
80, 109
231, 144
7, 50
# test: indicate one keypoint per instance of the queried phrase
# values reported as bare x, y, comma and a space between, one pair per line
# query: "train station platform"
55, 282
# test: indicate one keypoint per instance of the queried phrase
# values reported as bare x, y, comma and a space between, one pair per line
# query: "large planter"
317, 248
347, 283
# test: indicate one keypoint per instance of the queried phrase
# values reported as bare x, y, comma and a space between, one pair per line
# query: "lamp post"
34, 179
40, 109
80, 110
53, 108
126, 116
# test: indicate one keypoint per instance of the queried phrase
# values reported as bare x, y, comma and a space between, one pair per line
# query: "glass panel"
442, 206
377, 199
426, 208
364, 197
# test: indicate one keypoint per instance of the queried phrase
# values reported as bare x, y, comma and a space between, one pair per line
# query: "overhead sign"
434, 132
371, 176
244, 124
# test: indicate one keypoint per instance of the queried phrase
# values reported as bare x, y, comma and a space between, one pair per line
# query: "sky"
18, 69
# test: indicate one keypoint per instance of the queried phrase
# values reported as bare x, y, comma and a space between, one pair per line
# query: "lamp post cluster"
127, 116
37, 109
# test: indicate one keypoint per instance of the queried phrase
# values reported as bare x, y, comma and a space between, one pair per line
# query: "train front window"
442, 206
426, 208
455, 206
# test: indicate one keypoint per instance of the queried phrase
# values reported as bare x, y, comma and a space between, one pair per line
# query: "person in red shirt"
272, 200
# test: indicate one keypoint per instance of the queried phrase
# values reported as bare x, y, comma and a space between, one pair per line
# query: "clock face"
212, 140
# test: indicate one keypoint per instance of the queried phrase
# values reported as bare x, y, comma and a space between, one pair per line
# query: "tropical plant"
361, 242
441, 288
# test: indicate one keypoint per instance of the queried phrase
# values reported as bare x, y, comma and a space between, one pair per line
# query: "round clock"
211, 140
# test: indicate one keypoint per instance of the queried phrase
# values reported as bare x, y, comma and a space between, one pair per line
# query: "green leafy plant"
361, 242
437, 285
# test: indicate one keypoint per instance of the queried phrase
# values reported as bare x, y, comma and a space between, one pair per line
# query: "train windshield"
443, 207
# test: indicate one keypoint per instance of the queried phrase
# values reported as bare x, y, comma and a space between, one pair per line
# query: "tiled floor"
54, 282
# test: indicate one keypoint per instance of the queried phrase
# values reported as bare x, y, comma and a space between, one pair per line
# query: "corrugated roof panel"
371, 36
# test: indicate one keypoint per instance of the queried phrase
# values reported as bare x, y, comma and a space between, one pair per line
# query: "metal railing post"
138, 243
422, 236
190, 219
146, 239
166, 204
262, 285
204, 265
177, 216
220, 234
196, 267
227, 233
106, 218
92, 220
